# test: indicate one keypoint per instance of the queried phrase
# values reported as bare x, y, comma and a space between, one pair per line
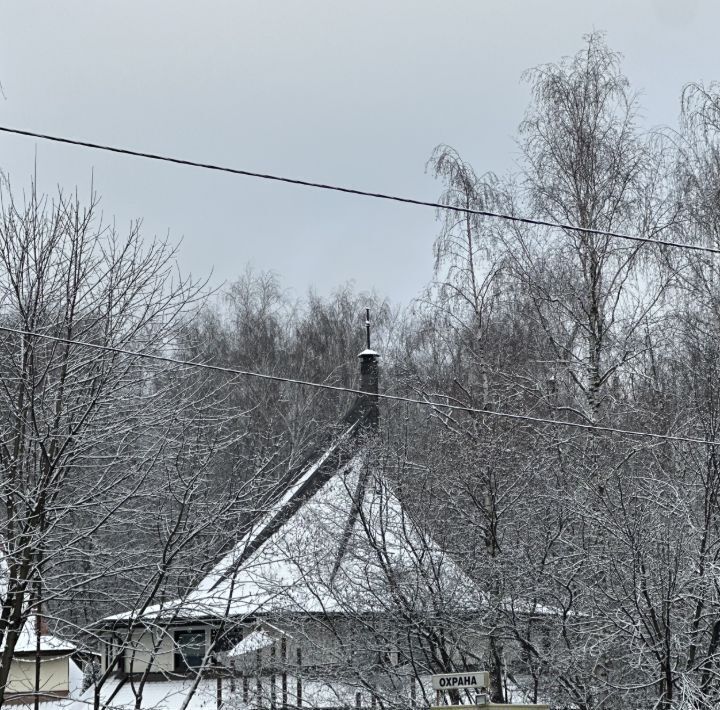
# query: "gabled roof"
304, 486
27, 641
337, 539
348, 547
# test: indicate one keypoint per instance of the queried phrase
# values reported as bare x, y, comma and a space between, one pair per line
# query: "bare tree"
82, 429
586, 164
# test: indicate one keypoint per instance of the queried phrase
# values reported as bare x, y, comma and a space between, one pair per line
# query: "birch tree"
586, 164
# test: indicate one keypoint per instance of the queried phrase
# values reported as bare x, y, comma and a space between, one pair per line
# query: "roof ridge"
312, 478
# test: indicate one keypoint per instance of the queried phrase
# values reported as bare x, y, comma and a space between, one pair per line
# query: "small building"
43, 665
333, 598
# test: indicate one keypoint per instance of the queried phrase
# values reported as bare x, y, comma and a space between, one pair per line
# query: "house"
333, 598
44, 668
43, 665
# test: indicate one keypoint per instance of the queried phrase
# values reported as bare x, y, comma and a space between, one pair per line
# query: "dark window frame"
189, 652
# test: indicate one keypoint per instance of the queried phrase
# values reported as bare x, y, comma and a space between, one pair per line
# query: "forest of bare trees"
596, 554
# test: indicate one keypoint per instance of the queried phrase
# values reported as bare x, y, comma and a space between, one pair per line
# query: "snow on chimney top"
368, 352
370, 375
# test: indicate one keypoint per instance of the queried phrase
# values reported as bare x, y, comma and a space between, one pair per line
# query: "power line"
349, 390
361, 193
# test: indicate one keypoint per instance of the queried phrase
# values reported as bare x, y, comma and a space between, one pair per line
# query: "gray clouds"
352, 93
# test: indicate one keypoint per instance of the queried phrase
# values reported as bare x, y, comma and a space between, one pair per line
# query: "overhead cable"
350, 390
361, 193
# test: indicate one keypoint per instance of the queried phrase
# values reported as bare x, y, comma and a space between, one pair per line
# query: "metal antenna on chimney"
367, 327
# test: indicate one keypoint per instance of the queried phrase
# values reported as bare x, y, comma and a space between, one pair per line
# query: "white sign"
456, 681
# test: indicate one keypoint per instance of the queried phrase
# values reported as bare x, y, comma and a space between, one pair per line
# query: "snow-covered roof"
254, 641
27, 641
262, 636
337, 540
335, 553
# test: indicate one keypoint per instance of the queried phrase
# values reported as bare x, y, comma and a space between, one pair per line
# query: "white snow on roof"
262, 636
27, 641
293, 570
252, 642
230, 560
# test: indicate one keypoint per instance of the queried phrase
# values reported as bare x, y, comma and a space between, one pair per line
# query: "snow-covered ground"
163, 695
171, 695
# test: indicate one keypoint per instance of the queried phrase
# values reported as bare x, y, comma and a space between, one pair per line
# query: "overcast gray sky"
356, 93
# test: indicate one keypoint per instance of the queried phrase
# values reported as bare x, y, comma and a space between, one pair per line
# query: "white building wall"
154, 649
145, 648
54, 675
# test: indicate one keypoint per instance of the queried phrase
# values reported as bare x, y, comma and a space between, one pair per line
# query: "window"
114, 648
189, 649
